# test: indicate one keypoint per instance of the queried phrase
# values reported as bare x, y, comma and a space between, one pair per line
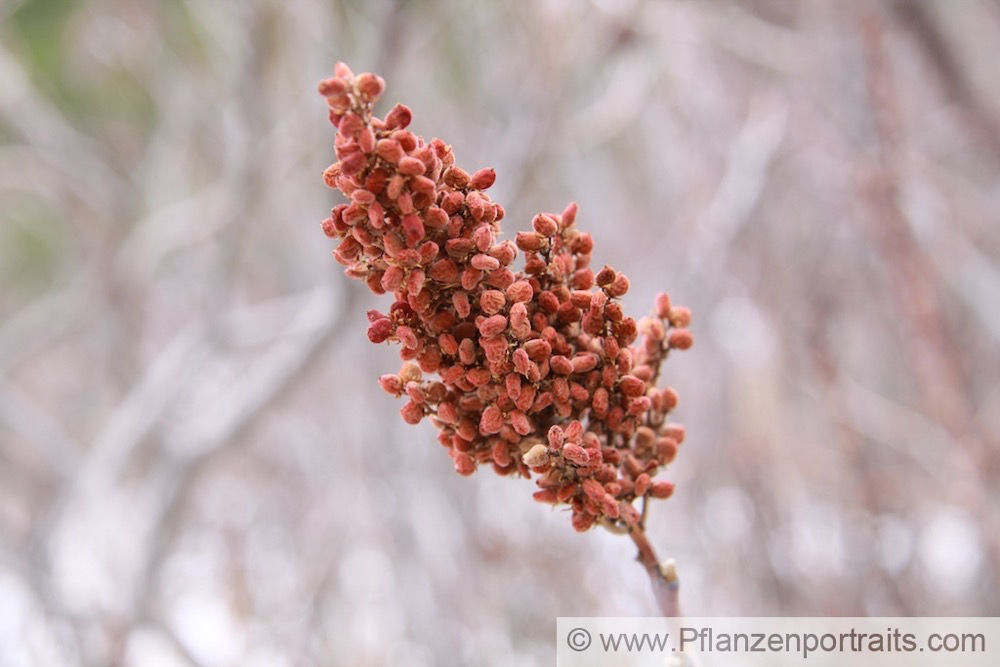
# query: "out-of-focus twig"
931, 348
233, 411
925, 26
76, 161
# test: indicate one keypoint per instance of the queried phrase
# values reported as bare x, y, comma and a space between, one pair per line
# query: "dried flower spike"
531, 371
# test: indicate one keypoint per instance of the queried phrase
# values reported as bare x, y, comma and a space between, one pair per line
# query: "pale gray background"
197, 466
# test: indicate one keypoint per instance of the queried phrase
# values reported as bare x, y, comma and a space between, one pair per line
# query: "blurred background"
197, 466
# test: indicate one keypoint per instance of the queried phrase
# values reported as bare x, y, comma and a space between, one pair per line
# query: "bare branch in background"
196, 466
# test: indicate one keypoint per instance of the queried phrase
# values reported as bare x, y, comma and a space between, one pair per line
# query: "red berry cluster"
533, 371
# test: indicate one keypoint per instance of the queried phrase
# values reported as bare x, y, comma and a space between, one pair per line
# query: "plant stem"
662, 576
